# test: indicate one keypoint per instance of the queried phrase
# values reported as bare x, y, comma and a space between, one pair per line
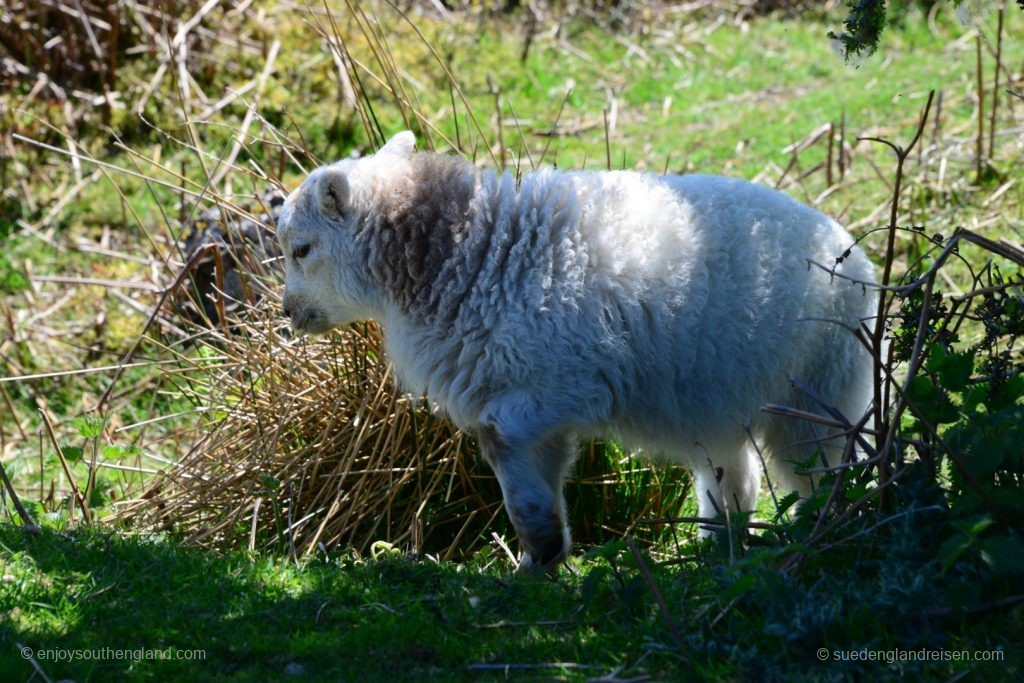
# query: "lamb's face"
322, 286
326, 279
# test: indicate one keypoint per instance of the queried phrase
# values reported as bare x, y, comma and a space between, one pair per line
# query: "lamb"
663, 311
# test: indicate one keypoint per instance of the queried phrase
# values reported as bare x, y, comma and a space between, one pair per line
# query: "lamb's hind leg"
788, 441
727, 481
530, 471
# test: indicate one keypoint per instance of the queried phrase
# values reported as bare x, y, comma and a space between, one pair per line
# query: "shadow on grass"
254, 618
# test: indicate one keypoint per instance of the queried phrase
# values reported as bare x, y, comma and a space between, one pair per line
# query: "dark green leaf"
1004, 554
952, 367
72, 453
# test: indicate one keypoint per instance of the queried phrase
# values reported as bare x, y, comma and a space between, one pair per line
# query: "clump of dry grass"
308, 443
67, 44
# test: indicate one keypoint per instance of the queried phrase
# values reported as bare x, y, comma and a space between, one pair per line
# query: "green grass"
254, 616
257, 617
766, 87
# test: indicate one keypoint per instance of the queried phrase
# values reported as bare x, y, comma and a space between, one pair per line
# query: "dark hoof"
545, 556
553, 550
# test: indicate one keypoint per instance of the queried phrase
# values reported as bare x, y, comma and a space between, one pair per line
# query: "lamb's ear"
332, 193
400, 145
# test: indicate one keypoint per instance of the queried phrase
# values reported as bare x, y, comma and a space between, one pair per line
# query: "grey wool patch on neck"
414, 232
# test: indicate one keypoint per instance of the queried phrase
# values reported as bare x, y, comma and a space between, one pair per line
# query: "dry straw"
308, 443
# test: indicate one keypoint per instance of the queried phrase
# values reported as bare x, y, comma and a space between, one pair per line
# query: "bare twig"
979, 153
76, 493
656, 592
27, 653
880, 398
236, 147
702, 521
995, 84
28, 524
539, 666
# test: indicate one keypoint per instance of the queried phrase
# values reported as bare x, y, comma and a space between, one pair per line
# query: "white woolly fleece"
661, 310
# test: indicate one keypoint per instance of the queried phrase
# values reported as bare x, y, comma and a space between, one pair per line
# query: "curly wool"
662, 310
643, 302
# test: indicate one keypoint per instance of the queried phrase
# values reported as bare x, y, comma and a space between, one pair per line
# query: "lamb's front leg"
530, 471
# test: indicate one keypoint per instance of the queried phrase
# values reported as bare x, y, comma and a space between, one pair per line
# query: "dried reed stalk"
315, 428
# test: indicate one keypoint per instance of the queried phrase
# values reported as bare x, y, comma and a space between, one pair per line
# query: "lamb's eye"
300, 252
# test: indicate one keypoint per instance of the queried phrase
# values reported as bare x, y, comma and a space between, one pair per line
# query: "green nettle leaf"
816, 501
812, 461
113, 451
788, 501
117, 451
989, 441
591, 586
98, 497
88, 426
740, 586
966, 535
975, 396
973, 528
984, 462
72, 453
610, 550
1010, 393
951, 550
36, 509
965, 503
1003, 554
11, 279
858, 489
952, 367
933, 402
632, 593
